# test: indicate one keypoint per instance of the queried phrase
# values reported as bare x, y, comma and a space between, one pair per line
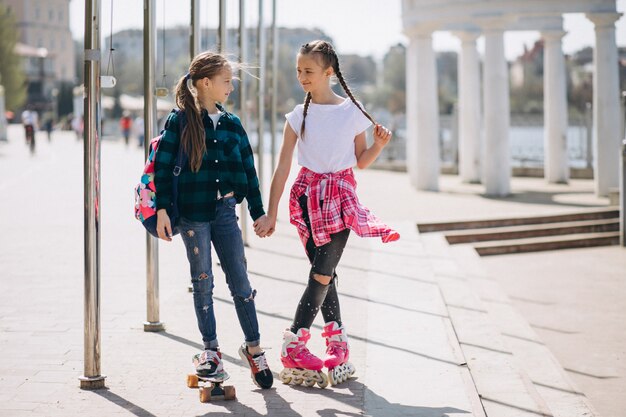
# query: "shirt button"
216, 161
214, 140
217, 180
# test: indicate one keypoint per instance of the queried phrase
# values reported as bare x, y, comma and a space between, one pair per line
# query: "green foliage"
12, 76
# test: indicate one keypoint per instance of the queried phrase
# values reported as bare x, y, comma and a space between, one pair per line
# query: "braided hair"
329, 59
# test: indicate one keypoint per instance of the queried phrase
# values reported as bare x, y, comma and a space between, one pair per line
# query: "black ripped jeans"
324, 260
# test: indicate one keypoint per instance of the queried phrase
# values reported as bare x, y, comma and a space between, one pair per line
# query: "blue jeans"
225, 235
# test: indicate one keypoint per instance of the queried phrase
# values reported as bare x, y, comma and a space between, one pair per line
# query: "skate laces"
260, 362
333, 346
300, 351
209, 356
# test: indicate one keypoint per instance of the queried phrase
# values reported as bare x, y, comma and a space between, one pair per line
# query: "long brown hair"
204, 65
329, 58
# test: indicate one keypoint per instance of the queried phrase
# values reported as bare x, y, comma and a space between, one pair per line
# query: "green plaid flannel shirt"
227, 165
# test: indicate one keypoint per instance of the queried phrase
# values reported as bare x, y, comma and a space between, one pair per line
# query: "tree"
11, 73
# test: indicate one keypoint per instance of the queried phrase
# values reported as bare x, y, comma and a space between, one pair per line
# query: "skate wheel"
284, 377
309, 382
322, 382
331, 377
229, 393
350, 370
297, 381
205, 394
192, 381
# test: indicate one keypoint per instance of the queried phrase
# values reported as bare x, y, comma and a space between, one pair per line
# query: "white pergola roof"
453, 15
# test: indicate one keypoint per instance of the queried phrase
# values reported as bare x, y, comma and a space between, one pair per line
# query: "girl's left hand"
382, 135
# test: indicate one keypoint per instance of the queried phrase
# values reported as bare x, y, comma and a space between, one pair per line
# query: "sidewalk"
403, 343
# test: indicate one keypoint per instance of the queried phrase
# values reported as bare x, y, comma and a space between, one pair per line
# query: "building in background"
46, 47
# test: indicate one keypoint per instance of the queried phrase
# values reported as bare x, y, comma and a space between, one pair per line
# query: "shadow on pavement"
380, 406
540, 197
355, 337
354, 297
107, 394
345, 266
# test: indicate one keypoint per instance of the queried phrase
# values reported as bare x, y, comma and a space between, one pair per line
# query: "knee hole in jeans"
322, 279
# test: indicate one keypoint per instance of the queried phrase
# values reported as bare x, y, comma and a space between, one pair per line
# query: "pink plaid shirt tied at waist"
341, 208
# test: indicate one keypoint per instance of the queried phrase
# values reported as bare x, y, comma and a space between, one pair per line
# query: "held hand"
264, 226
164, 228
382, 135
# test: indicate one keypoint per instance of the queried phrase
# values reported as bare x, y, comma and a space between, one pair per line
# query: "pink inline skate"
337, 353
301, 366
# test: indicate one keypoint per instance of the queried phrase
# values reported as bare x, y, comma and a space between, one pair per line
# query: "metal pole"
3, 120
622, 185
261, 93
92, 379
222, 34
275, 51
150, 127
194, 34
243, 45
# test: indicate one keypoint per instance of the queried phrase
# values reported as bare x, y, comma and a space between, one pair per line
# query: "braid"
345, 87
307, 101
329, 58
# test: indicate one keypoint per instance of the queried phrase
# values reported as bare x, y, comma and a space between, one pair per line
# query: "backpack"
145, 191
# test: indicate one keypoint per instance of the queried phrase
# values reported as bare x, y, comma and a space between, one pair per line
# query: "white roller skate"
301, 366
337, 353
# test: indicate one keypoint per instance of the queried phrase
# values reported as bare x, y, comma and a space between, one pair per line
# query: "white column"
606, 109
422, 114
556, 166
469, 108
496, 164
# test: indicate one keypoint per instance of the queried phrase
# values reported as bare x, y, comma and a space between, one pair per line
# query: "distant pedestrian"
77, 126
138, 126
329, 132
219, 174
48, 125
126, 123
30, 121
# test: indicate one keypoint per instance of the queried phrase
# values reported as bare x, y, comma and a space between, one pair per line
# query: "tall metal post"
622, 199
275, 51
92, 379
622, 185
194, 34
3, 120
222, 34
261, 93
243, 46
152, 324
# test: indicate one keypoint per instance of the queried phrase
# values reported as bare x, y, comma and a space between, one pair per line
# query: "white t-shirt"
215, 117
328, 144
29, 117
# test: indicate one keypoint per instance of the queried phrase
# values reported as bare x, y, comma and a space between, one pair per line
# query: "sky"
356, 26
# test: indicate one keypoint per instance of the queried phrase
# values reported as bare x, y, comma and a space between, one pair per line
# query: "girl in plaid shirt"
329, 132
219, 174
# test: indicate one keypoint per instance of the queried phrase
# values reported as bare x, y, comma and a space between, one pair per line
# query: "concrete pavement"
406, 344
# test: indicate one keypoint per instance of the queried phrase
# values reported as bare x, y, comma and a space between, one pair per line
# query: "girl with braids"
329, 132
219, 174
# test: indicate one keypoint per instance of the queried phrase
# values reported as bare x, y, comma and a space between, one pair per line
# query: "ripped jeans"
225, 235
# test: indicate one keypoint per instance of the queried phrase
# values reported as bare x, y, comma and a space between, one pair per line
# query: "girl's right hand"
164, 228
264, 226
